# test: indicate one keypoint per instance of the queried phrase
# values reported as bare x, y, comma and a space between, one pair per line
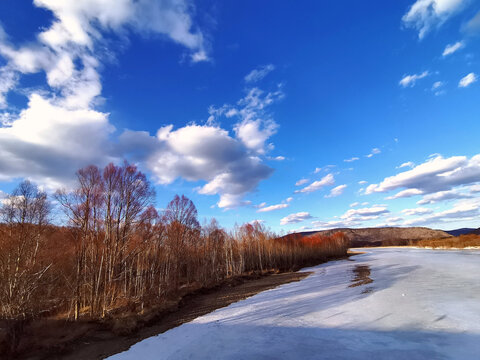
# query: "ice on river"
395, 303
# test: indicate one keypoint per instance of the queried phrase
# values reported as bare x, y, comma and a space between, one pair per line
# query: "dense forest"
116, 253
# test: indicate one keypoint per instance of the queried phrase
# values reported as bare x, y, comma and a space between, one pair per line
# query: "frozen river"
394, 303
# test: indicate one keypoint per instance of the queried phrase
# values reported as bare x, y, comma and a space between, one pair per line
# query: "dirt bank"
93, 340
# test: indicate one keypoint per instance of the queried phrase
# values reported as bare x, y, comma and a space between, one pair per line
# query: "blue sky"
323, 115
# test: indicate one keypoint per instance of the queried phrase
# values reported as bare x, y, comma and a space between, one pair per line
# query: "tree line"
115, 252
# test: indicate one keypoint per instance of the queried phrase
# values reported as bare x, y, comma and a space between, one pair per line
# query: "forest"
102, 249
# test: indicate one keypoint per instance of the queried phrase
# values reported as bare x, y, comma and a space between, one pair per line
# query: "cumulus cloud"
435, 175
60, 130
354, 204
467, 80
47, 143
208, 153
301, 182
410, 80
461, 211
451, 48
317, 185
362, 182
390, 221
336, 191
352, 159
260, 205
325, 168
259, 73
295, 218
425, 15
273, 207
475, 189
417, 211
334, 224
353, 217
8, 80
442, 196
364, 214
255, 124
408, 164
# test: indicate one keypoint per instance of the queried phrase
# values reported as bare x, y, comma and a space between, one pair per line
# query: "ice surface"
385, 304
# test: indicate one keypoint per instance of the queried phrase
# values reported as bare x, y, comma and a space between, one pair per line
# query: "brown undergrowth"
460, 242
55, 338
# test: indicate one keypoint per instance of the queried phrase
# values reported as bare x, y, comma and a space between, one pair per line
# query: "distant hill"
462, 231
384, 236
476, 231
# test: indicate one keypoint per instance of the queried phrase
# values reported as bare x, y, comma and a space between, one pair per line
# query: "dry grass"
459, 242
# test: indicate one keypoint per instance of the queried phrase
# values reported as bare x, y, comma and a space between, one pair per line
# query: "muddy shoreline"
92, 340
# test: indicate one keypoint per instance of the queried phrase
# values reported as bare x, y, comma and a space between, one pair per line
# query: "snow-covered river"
394, 303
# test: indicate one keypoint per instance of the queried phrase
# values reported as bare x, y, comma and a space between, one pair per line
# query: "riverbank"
57, 339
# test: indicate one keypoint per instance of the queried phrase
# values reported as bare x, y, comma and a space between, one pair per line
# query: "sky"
324, 115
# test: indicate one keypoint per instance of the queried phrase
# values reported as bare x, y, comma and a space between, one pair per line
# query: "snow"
420, 304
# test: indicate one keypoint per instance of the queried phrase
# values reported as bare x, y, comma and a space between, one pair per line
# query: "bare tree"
25, 215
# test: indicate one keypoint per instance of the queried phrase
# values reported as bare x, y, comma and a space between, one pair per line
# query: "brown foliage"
460, 242
117, 255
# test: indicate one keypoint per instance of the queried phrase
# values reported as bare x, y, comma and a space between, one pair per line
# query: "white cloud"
355, 204
47, 143
352, 159
362, 182
289, 199
374, 151
463, 210
410, 80
255, 125
325, 168
301, 182
364, 214
260, 205
467, 80
198, 153
442, 196
409, 164
295, 218
425, 15
60, 131
437, 88
405, 193
417, 211
8, 80
257, 221
317, 185
336, 191
353, 217
279, 158
273, 207
334, 224
259, 73
434, 175
475, 189
451, 48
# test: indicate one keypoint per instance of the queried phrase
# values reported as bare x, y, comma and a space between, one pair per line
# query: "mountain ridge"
383, 236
